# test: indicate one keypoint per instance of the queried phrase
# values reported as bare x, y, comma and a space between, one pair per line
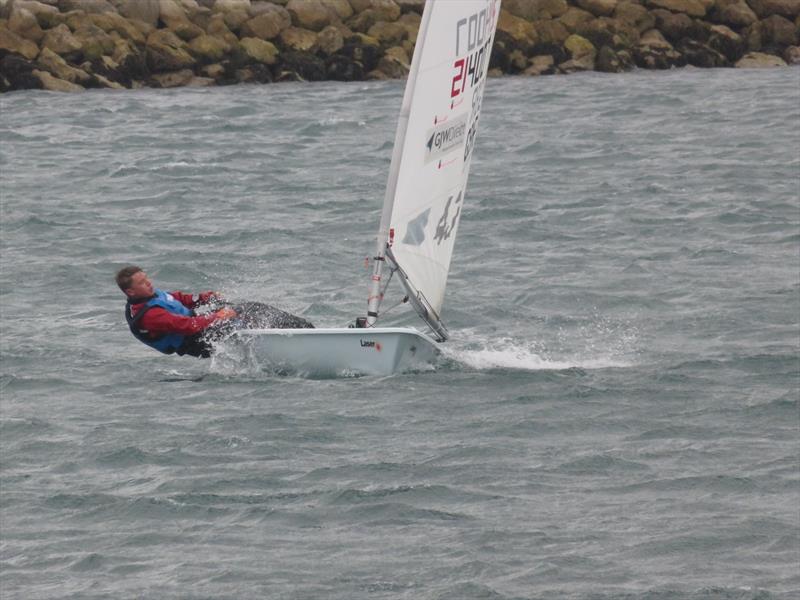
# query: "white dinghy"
422, 207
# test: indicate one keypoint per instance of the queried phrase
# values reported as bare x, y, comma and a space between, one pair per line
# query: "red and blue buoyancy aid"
168, 343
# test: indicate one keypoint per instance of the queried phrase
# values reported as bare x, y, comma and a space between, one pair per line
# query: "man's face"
141, 287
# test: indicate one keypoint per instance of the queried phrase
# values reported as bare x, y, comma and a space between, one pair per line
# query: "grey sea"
616, 415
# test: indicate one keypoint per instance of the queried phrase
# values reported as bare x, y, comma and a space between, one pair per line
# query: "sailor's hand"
206, 297
225, 313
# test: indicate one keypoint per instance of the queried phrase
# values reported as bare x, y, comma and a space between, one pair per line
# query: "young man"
167, 321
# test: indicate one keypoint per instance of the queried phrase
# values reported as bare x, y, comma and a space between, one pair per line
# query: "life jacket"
168, 343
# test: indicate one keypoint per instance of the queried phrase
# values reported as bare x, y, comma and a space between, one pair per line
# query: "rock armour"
70, 45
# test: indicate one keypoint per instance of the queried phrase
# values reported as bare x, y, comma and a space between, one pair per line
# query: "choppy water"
617, 418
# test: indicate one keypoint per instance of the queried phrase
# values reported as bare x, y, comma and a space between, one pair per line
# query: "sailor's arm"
159, 321
192, 301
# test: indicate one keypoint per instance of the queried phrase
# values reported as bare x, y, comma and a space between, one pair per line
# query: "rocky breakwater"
538, 37
69, 45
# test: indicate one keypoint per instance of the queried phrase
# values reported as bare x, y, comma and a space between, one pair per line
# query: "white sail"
434, 142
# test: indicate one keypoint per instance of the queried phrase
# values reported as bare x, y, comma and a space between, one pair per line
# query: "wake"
508, 353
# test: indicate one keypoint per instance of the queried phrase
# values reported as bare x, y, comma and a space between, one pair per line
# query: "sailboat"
422, 206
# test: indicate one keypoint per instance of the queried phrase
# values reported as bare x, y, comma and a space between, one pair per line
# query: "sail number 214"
472, 33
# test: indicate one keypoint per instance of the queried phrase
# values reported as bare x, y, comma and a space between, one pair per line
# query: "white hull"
335, 352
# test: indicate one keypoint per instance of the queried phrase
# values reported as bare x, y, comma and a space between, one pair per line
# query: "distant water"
617, 416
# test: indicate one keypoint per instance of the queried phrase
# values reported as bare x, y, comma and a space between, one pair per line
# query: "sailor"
166, 321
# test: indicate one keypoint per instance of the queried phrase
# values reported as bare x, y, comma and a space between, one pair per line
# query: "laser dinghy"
422, 206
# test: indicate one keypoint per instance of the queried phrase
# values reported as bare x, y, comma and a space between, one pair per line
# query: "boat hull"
339, 352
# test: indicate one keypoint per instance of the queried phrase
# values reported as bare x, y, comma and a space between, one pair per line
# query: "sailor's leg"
257, 315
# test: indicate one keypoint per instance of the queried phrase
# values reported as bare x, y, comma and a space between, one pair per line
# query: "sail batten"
433, 149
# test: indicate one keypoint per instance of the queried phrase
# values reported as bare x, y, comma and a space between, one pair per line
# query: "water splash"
507, 353
598, 347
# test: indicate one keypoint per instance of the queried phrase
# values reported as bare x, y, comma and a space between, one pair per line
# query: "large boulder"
186, 30
46, 15
577, 65
605, 31
575, 18
107, 73
173, 79
532, 10
104, 82
87, 6
360, 5
581, 54
578, 47
54, 84
759, 60
62, 41
201, 82
362, 21
217, 27
522, 32
268, 24
524, 9
785, 8
610, 61
58, 67
330, 40
259, 50
130, 29
94, 41
216, 71
552, 9
410, 22
11, 42
395, 63
340, 8
654, 52
297, 39
735, 13
209, 49
636, 15
542, 64
701, 55
146, 11
175, 15
792, 55
599, 8
171, 11
675, 26
778, 32
132, 61
313, 15
167, 52
224, 6
550, 32
24, 23
726, 41
385, 10
693, 8
388, 34
235, 19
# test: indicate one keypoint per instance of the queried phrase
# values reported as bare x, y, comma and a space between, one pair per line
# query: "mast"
383, 240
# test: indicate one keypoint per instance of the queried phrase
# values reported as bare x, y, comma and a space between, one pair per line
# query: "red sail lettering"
454, 91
